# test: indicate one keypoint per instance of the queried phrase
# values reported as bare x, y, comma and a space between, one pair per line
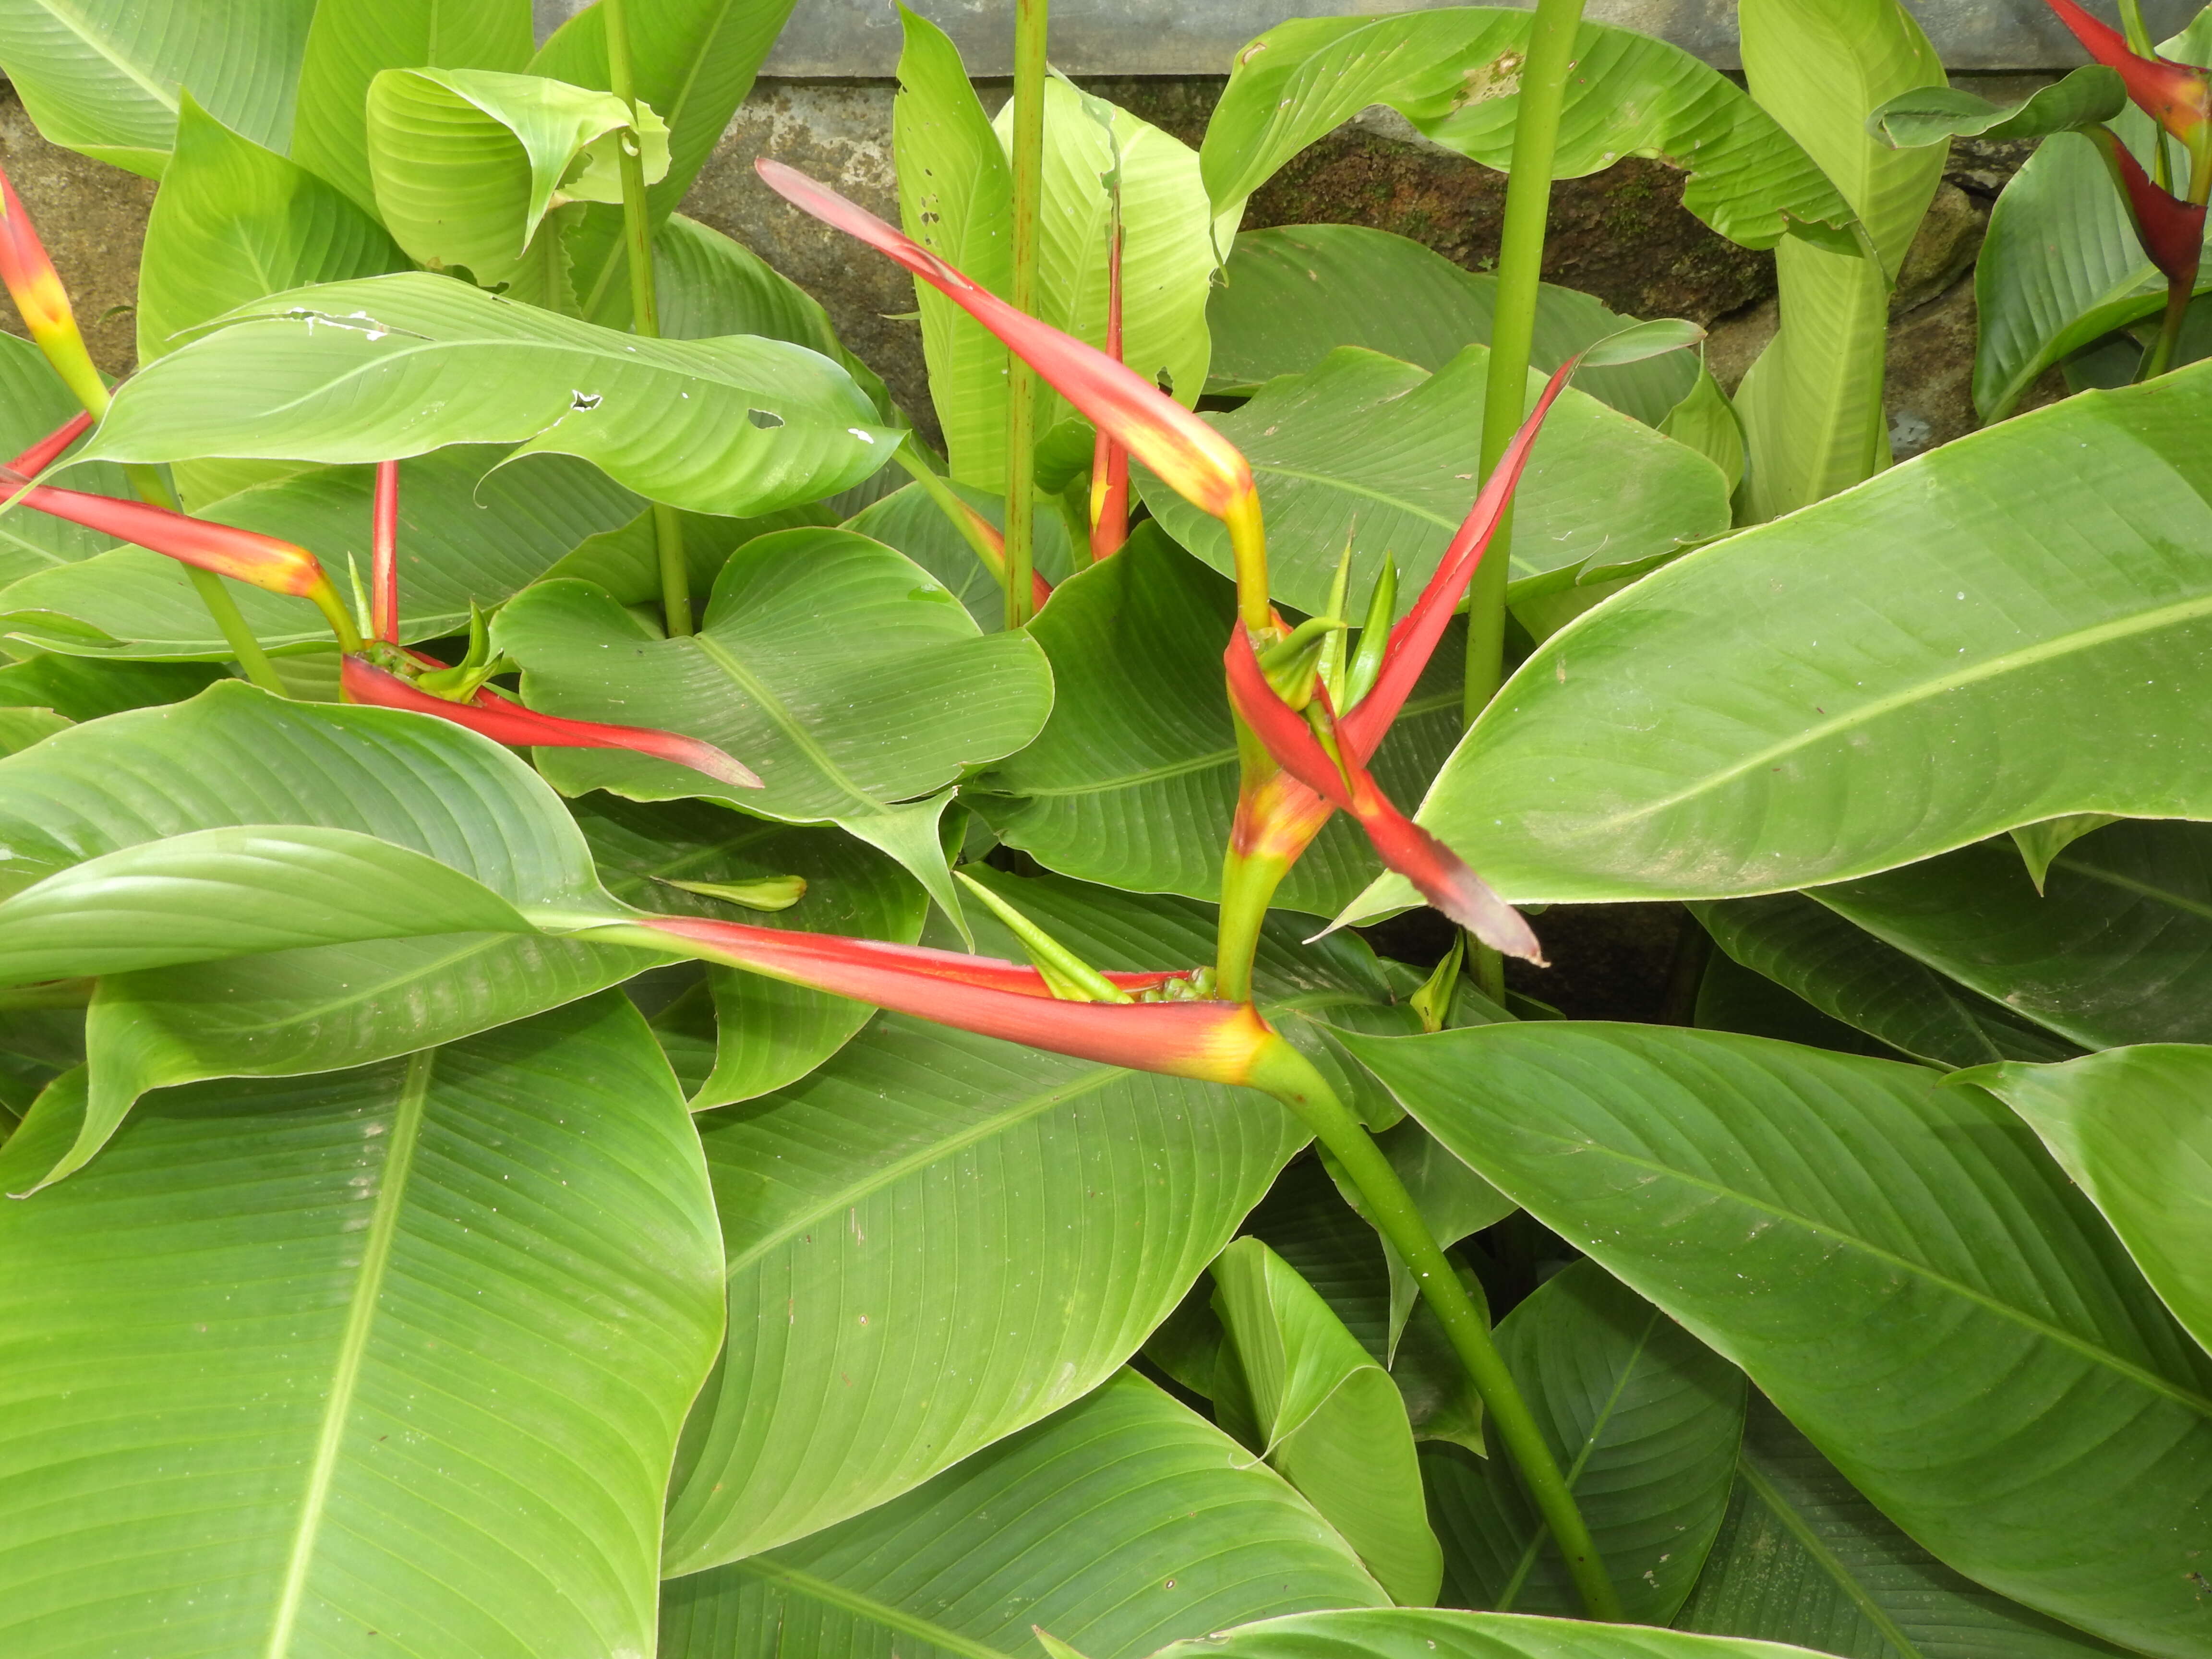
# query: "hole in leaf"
766, 419
584, 400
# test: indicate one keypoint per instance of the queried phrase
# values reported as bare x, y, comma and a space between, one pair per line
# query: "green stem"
1030, 24
939, 490
1286, 1074
253, 660
2139, 42
645, 302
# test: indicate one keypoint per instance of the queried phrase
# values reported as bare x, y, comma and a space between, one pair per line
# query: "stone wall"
1622, 234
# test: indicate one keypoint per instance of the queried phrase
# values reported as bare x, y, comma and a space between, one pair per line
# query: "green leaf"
1706, 420
1122, 1522
768, 1034
894, 704
2040, 843
85, 691
391, 366
1802, 1558
351, 40
2115, 950
1328, 1417
21, 727
1850, 1232
1454, 73
2087, 96
1733, 998
935, 1240
466, 162
1371, 450
234, 892
1752, 747
1811, 404
2129, 1126
1644, 1420
1132, 781
626, 560
955, 199
103, 76
235, 222
1850, 975
1291, 295
2193, 45
1422, 1633
2061, 267
32, 402
402, 1350
910, 521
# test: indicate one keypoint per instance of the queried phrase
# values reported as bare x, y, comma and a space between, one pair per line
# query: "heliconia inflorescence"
36, 288
2178, 96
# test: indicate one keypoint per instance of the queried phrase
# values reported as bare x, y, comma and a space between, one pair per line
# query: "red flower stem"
384, 556
1110, 461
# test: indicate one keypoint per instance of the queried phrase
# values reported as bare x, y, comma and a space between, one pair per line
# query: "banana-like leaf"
402, 1350
235, 222
1132, 781
400, 365
935, 1240
836, 668
1454, 73
1802, 1558
1119, 1523
103, 77
1422, 1633
2129, 1126
32, 402
2087, 96
1371, 451
85, 691
909, 520
1328, 1417
1850, 1232
1811, 405
767, 1034
2062, 266
2116, 949
1645, 1419
1850, 975
466, 164
351, 40
1291, 295
2040, 843
1750, 749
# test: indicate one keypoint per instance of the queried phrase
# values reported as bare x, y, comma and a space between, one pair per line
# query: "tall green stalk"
1288, 1076
1030, 27
645, 303
1512, 336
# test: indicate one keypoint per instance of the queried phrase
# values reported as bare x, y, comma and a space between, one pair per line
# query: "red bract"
2179, 98
507, 721
49, 449
2172, 230
37, 290
384, 556
1216, 1041
1194, 459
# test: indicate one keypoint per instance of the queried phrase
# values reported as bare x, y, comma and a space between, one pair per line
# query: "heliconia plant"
712, 1056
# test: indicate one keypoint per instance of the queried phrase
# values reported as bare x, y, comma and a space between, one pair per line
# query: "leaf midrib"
83, 32
2148, 1379
881, 1612
1824, 1558
782, 717
353, 1347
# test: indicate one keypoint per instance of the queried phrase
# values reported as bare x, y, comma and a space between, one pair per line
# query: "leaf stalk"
1030, 23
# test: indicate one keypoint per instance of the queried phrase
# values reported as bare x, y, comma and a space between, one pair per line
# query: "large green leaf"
1328, 1417
466, 163
832, 665
351, 40
235, 222
102, 77
1415, 1633
1367, 450
1454, 73
1752, 746
1119, 1523
2089, 96
32, 402
1802, 1558
399, 364
1292, 294
935, 1240
401, 1351
2129, 1126
2116, 949
1132, 781
470, 531
1811, 405
2061, 267
910, 521
1848, 974
768, 1034
1896, 1263
1644, 1421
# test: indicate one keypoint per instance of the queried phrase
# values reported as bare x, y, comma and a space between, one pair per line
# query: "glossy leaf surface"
402, 1350
910, 521
1420, 1633
1896, 1263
